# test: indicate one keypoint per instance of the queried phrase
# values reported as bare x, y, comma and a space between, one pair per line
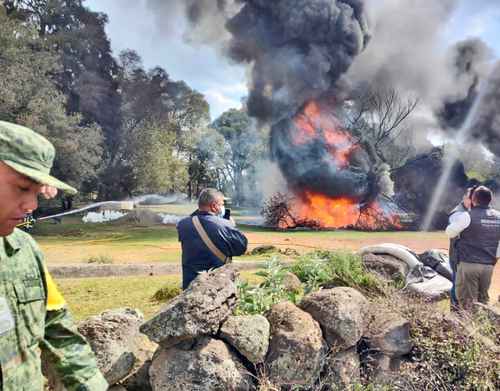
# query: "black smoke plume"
468, 61
486, 123
298, 50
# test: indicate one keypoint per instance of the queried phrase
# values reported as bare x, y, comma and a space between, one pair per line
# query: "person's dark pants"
453, 293
472, 284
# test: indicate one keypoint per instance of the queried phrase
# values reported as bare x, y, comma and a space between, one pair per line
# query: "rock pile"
203, 346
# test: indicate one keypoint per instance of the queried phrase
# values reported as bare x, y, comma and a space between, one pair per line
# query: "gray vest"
453, 252
479, 241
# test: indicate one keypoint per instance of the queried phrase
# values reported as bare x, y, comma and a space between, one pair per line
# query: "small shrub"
257, 299
100, 259
336, 268
166, 293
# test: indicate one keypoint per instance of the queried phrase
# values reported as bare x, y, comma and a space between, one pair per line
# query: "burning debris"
316, 155
316, 211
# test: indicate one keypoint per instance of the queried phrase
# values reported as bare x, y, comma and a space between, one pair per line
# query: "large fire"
313, 123
321, 211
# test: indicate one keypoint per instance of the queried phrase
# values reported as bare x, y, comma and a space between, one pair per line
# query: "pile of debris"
428, 274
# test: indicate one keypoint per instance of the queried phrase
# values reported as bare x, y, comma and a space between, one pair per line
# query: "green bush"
335, 268
166, 293
315, 270
260, 298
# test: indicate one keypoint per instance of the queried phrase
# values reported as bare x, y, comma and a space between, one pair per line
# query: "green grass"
91, 296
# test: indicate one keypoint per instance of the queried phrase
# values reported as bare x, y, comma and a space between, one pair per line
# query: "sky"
133, 25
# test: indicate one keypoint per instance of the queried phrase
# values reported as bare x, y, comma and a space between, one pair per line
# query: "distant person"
33, 314
477, 249
464, 206
208, 239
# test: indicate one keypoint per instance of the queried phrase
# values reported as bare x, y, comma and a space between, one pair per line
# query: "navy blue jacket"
196, 256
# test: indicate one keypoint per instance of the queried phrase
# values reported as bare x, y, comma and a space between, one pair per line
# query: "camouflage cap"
30, 154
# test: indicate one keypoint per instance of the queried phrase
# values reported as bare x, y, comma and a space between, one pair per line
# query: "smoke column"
298, 50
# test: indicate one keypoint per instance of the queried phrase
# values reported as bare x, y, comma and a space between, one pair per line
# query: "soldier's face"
18, 196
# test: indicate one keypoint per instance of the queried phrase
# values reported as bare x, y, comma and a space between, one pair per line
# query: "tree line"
120, 130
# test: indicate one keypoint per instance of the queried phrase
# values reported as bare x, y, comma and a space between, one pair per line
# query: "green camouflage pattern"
30, 154
36, 329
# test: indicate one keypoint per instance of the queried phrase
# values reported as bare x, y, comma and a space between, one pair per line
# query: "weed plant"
336, 268
257, 299
315, 270
100, 259
167, 293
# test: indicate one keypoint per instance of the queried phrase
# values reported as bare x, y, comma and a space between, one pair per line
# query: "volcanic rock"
139, 381
266, 249
205, 364
342, 369
199, 310
386, 267
341, 312
292, 284
381, 368
249, 335
115, 339
297, 349
388, 332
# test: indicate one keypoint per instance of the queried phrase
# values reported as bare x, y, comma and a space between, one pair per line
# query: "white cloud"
220, 102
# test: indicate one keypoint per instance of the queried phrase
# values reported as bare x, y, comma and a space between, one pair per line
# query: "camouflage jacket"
34, 319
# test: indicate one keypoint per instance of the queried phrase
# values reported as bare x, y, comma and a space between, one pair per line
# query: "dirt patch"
88, 271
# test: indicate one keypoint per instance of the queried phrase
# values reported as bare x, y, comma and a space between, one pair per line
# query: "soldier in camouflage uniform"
33, 314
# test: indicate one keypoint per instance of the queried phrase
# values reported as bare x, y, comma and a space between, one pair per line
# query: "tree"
29, 96
155, 167
159, 118
207, 163
378, 119
246, 146
88, 73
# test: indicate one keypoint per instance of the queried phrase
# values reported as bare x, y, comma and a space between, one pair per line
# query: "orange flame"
312, 124
327, 212
318, 210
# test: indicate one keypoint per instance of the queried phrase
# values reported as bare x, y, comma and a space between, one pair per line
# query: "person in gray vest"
478, 247
464, 206
208, 240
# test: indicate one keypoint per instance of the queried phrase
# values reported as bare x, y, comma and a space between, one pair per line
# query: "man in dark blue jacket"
223, 236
